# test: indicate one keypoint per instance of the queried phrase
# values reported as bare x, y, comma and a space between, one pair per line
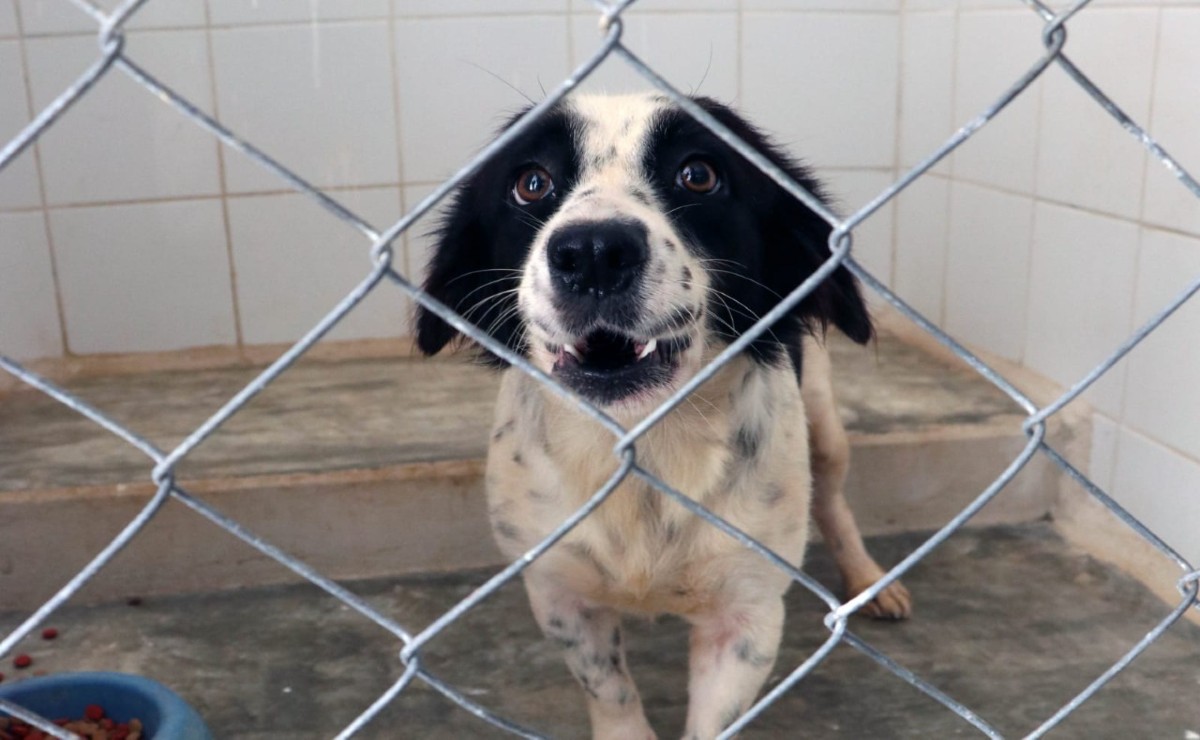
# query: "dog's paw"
894, 602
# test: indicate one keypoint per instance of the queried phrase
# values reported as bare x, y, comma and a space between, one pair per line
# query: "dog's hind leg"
830, 455
592, 644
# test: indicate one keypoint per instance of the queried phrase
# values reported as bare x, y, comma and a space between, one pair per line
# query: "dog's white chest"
641, 550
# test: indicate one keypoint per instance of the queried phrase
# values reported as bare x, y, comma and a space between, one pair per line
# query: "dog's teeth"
570, 348
648, 349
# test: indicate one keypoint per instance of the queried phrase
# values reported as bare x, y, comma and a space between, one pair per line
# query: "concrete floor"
1009, 620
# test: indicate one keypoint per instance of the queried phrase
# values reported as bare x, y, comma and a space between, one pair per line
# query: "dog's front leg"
592, 644
732, 652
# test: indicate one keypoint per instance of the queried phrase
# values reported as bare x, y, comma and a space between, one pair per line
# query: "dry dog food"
94, 726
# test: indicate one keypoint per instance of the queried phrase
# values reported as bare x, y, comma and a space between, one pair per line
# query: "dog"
618, 245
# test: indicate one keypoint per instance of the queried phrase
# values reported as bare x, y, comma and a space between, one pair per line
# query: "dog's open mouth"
608, 366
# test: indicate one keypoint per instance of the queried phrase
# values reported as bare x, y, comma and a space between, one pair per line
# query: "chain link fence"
379, 270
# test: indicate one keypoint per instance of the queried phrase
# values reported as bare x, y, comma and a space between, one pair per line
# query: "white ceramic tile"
52, 16
926, 85
1175, 121
825, 83
1080, 298
987, 268
697, 53
476, 7
57, 16
994, 50
8, 19
921, 232
653, 6
330, 116
1158, 486
18, 181
1084, 156
1103, 4
969, 5
119, 142
295, 262
1162, 397
29, 325
1102, 462
851, 190
911, 6
833, 5
454, 82
233, 12
144, 277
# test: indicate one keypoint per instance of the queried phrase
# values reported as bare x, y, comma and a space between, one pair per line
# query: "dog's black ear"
796, 240
454, 273
838, 299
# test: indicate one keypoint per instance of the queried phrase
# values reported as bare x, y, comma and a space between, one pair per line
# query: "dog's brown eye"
532, 185
698, 176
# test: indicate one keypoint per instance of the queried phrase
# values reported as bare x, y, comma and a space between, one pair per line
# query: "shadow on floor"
1009, 620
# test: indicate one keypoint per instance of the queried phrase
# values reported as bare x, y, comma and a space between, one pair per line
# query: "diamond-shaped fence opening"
378, 271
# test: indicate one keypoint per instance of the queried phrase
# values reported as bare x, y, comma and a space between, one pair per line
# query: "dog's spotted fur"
623, 281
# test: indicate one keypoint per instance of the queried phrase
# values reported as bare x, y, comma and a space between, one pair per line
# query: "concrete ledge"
372, 467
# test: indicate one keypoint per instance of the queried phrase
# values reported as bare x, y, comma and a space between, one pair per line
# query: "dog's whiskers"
511, 271
496, 301
489, 284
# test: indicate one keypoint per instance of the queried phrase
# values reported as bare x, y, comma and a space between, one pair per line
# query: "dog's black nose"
602, 258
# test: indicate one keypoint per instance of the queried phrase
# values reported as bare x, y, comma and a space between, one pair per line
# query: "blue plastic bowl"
164, 715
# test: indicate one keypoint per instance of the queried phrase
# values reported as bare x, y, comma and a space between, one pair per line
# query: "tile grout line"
305, 23
897, 137
36, 153
949, 162
398, 136
239, 337
1148, 162
739, 63
204, 196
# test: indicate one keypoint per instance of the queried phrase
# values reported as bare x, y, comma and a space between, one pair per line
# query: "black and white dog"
619, 245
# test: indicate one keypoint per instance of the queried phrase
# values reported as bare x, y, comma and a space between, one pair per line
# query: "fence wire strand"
110, 28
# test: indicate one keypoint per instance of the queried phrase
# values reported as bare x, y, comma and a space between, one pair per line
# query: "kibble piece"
49, 633
94, 712
22, 661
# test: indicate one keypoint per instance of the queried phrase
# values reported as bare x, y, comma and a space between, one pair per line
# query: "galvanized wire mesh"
379, 269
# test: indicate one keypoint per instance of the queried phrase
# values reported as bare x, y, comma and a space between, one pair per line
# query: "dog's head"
618, 242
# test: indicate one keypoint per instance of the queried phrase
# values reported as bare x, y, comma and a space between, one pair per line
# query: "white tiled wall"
840, 73
987, 267
1045, 239
18, 183
459, 78
314, 98
294, 262
1063, 234
147, 234
119, 143
163, 267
